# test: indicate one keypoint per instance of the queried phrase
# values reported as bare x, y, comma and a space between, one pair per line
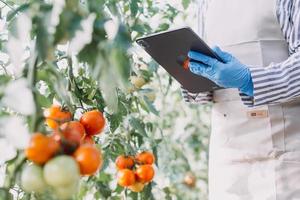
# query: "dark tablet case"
170, 49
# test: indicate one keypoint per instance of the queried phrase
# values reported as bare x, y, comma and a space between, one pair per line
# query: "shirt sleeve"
279, 82
197, 98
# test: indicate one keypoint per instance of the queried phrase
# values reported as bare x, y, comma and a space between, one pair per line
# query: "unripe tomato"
137, 81
73, 132
145, 173
137, 187
89, 159
61, 170
41, 148
55, 116
67, 191
93, 122
126, 177
32, 179
124, 162
145, 158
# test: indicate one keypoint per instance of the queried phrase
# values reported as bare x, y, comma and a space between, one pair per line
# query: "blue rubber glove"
230, 74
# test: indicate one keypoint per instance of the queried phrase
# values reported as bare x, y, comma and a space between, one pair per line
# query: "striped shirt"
278, 82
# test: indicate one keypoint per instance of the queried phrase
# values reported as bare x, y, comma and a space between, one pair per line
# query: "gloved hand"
230, 74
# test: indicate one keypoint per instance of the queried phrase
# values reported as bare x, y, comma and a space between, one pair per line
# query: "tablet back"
170, 49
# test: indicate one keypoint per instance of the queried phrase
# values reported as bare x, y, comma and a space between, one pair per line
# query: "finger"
198, 68
202, 58
226, 57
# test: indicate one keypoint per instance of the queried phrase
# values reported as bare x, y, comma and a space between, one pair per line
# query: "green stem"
11, 176
31, 77
6, 4
73, 81
4, 69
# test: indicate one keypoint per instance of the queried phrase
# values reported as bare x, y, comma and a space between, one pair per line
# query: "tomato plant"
70, 71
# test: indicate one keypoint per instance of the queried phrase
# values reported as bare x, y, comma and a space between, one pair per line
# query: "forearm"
276, 83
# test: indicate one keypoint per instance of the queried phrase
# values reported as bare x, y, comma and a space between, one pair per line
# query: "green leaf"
42, 38
150, 106
186, 3
43, 101
13, 13
4, 79
138, 125
168, 193
68, 24
104, 190
163, 27
147, 192
4, 194
134, 7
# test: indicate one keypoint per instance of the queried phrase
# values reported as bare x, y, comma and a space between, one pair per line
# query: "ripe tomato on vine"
56, 115
124, 162
89, 159
72, 132
93, 122
144, 173
41, 148
145, 158
126, 177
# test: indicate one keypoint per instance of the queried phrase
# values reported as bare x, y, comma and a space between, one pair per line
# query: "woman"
255, 139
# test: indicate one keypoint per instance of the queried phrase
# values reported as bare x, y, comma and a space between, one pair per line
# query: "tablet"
170, 48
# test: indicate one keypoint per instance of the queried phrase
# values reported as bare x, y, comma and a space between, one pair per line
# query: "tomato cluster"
60, 158
135, 172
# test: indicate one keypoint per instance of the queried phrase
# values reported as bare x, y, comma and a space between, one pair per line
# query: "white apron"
254, 152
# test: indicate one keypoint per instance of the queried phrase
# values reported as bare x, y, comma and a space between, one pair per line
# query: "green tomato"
66, 192
32, 179
61, 171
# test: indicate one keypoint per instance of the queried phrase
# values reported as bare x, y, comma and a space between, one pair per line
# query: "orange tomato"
93, 122
145, 158
89, 159
41, 148
126, 177
124, 162
73, 132
88, 140
145, 173
55, 116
